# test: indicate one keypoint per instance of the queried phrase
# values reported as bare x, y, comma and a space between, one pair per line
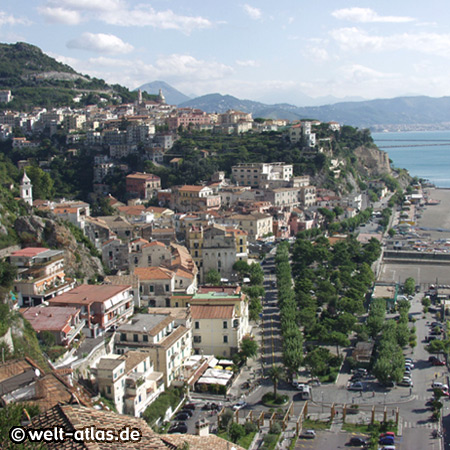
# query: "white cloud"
87, 5
247, 63
252, 12
60, 15
359, 40
367, 15
144, 15
102, 43
118, 12
6, 19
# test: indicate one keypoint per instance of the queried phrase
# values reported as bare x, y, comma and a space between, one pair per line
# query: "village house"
103, 307
142, 185
194, 198
63, 323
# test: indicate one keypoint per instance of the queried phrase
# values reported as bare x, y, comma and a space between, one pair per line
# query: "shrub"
250, 427
275, 428
236, 431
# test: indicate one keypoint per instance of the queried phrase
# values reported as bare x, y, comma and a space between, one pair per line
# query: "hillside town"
174, 309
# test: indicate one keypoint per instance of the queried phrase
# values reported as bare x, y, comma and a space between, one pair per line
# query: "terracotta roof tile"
153, 273
77, 417
212, 312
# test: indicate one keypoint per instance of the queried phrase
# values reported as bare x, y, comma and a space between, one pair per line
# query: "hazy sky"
271, 51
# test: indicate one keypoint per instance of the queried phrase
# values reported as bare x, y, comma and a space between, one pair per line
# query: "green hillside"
36, 79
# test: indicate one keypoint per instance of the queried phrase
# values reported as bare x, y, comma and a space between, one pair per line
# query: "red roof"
29, 251
87, 294
212, 312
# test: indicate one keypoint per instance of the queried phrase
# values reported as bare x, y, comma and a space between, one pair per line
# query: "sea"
425, 154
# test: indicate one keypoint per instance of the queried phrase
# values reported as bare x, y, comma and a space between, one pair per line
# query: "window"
123, 336
135, 338
197, 325
149, 260
167, 288
235, 323
225, 324
225, 339
197, 339
145, 339
151, 288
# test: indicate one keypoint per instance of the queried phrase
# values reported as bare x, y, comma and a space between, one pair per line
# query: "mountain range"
36, 79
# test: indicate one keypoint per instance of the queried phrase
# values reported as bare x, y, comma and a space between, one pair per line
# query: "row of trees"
291, 334
390, 361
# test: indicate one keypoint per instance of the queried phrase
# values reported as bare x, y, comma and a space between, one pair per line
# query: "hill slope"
36, 79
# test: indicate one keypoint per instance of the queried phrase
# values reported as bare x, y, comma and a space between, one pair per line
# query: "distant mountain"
369, 113
172, 96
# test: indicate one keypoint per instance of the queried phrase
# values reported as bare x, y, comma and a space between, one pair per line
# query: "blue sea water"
425, 154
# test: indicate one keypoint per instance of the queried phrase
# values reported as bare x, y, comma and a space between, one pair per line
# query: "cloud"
60, 15
6, 19
252, 12
144, 15
367, 15
118, 12
87, 5
248, 63
358, 40
101, 43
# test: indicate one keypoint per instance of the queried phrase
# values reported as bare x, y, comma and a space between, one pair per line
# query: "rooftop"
51, 318
87, 294
212, 312
150, 323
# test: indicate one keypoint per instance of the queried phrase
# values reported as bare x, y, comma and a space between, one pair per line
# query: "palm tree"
275, 375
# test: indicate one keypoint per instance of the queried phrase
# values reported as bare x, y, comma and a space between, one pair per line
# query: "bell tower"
26, 189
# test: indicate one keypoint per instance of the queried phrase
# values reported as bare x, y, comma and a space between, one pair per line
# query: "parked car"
313, 382
439, 385
190, 406
179, 427
357, 386
182, 416
239, 405
357, 442
406, 382
387, 440
387, 433
308, 434
187, 411
438, 362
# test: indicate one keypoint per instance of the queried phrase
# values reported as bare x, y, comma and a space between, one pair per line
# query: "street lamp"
322, 401
385, 398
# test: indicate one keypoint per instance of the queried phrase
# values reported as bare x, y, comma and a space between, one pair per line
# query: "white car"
308, 434
239, 405
438, 385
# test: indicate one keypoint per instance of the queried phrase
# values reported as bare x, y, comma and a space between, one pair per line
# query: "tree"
338, 339
249, 347
213, 277
409, 286
275, 375
236, 431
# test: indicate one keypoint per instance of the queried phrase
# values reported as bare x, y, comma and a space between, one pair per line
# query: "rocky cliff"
372, 162
48, 232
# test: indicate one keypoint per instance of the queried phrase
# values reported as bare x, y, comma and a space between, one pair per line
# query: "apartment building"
129, 380
256, 174
168, 343
40, 275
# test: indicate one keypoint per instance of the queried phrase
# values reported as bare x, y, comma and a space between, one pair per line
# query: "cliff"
371, 161
48, 232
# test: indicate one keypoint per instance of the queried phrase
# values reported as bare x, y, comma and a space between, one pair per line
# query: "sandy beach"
436, 217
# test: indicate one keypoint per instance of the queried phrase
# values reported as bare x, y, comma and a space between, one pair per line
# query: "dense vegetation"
36, 79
